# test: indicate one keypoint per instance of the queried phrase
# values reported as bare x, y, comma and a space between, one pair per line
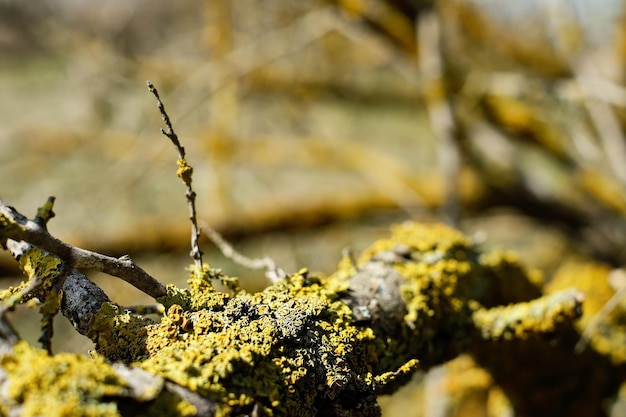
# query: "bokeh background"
312, 126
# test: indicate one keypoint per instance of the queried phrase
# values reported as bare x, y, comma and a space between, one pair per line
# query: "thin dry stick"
273, 272
184, 172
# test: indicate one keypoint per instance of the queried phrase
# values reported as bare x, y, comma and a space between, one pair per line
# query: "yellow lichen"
215, 344
608, 332
36, 264
294, 347
185, 171
60, 385
118, 334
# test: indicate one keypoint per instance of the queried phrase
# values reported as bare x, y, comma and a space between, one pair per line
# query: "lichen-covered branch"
16, 226
311, 345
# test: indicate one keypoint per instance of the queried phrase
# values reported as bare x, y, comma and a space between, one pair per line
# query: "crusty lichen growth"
44, 273
290, 349
71, 385
446, 282
60, 385
522, 320
295, 347
37, 265
185, 171
118, 334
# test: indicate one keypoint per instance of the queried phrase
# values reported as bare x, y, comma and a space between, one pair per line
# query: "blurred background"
312, 126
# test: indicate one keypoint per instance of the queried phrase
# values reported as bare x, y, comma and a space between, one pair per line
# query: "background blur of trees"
313, 125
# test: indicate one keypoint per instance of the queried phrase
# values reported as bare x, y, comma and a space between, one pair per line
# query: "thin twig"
273, 272
185, 172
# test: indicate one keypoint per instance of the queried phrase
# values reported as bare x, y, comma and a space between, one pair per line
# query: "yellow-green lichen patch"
544, 315
118, 334
428, 242
184, 171
445, 280
60, 385
36, 264
435, 262
8, 227
290, 349
293, 349
608, 332
201, 294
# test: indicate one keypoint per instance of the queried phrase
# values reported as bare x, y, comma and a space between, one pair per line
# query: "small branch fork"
184, 172
16, 226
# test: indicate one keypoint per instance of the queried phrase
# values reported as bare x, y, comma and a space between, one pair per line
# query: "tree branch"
16, 226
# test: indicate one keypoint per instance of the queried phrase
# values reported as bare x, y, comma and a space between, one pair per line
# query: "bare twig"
273, 272
185, 172
14, 225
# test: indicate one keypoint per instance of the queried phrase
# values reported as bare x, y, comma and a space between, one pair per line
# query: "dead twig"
185, 173
272, 271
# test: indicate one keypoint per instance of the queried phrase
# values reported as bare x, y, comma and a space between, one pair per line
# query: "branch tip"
184, 172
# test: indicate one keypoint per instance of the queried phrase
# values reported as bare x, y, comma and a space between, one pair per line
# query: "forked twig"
184, 172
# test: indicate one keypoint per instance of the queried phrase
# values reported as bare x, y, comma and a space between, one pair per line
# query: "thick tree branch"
327, 346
